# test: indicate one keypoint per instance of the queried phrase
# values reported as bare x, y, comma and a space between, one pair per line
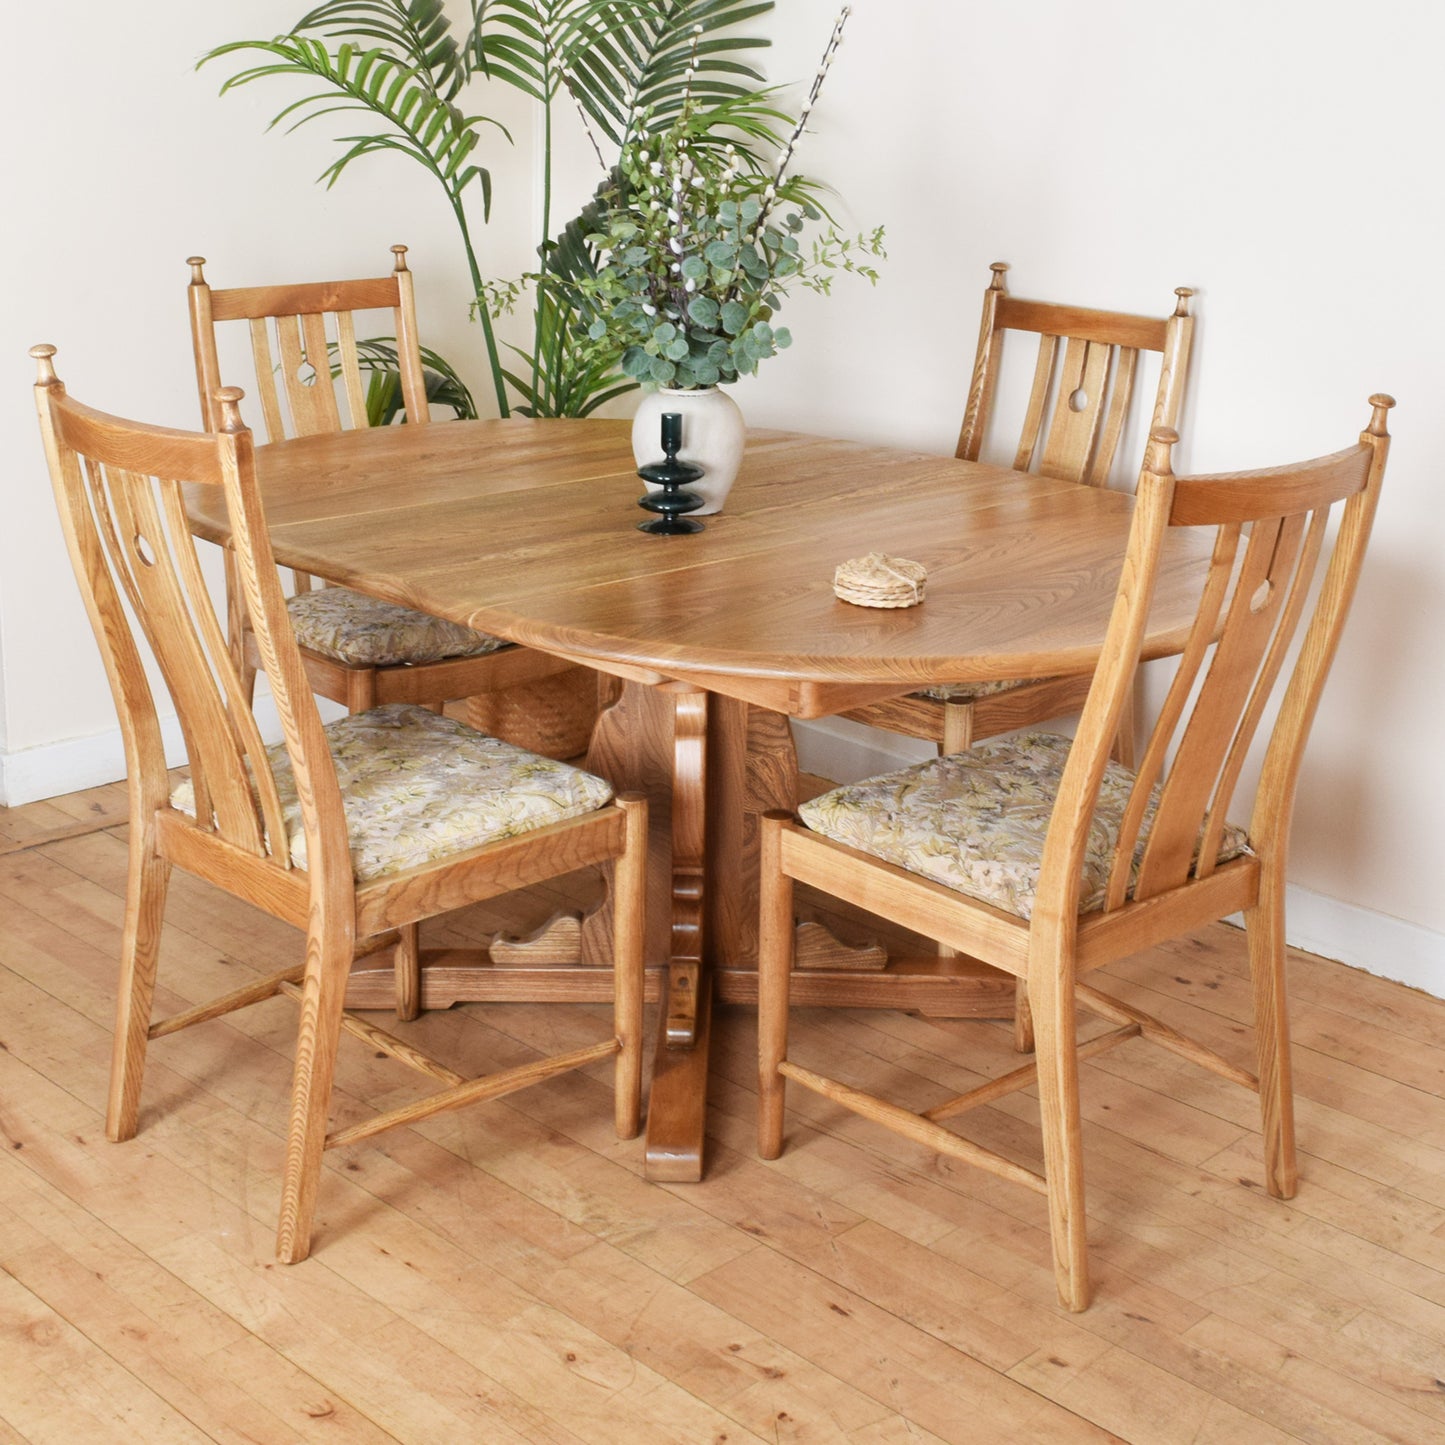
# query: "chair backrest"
1270, 532
303, 342
1078, 404
120, 487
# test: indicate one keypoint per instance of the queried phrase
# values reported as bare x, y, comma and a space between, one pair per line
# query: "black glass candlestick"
672, 476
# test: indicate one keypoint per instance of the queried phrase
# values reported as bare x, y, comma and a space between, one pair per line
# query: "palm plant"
403, 64
384, 402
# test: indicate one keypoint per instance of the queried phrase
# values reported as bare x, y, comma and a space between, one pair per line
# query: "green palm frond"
433, 131
418, 118
564, 378
384, 404
616, 57
535, 44
660, 80
419, 31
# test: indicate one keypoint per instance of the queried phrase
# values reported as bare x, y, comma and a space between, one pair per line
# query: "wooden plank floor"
507, 1275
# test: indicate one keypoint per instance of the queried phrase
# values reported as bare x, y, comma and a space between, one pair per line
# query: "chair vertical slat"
112, 517
1061, 865
1120, 394
314, 387
1073, 432
1151, 768
291, 368
1248, 625
346, 355
264, 360
224, 668
148, 551
1299, 589
1038, 397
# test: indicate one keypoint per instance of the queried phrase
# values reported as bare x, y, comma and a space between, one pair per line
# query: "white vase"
713, 433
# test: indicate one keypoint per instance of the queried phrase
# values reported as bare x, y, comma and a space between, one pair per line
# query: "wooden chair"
1048, 860
1078, 405
347, 831
357, 650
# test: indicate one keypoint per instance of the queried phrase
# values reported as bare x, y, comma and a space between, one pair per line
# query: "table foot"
677, 1104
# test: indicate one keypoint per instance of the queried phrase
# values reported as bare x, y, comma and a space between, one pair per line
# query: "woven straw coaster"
878, 580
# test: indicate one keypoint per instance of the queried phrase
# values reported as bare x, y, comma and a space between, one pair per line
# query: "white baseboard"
1375, 942
89, 762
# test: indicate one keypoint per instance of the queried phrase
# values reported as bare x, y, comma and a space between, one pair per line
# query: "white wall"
1283, 159
123, 161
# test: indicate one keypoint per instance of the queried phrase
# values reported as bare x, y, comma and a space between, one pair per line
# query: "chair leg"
1264, 928
406, 964
360, 689
328, 962
145, 905
957, 727
957, 738
775, 962
1051, 997
1023, 1019
629, 917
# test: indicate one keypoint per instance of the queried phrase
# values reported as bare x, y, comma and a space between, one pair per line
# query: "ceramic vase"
713, 433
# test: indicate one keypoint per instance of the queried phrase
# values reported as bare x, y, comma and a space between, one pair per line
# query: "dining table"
707, 646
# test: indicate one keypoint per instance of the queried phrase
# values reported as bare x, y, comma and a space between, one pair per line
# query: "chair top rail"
1109, 328
244, 303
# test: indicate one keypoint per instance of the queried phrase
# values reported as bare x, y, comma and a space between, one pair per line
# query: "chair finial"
230, 400
1181, 307
400, 253
1158, 458
44, 365
1381, 402
195, 263
998, 268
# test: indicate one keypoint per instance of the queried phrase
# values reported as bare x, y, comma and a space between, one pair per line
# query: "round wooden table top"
528, 529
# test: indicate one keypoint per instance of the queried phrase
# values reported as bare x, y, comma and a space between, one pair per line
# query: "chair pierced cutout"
433, 816
1044, 857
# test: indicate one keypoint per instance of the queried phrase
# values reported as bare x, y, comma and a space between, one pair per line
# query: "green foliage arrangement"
631, 69
697, 251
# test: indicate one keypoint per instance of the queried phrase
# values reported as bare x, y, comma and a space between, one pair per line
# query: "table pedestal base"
709, 766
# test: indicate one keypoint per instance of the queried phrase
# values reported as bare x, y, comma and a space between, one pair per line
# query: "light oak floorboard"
506, 1274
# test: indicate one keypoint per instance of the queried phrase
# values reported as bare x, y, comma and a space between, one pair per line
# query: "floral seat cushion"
418, 787
968, 691
363, 632
975, 821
